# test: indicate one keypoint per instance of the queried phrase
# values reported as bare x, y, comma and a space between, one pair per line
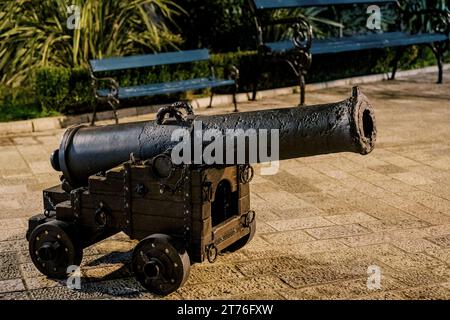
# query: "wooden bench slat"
285, 4
150, 60
362, 42
170, 87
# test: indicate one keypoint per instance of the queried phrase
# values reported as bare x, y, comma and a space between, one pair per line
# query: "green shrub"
52, 88
19, 104
70, 91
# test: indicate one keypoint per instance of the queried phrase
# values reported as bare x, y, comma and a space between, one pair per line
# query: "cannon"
124, 178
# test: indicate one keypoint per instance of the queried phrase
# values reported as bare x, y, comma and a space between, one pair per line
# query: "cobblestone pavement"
322, 221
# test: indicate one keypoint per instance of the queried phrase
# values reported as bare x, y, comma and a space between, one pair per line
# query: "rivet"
66, 250
175, 265
153, 245
172, 280
166, 251
43, 264
58, 236
46, 232
37, 238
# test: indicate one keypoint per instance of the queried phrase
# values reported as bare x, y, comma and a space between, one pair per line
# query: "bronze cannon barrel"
347, 126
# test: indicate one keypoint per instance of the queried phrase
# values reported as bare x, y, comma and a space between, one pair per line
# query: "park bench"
298, 51
108, 89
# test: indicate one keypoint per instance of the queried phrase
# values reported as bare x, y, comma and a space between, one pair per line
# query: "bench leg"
114, 108
257, 76
302, 84
94, 116
211, 100
235, 99
438, 50
398, 56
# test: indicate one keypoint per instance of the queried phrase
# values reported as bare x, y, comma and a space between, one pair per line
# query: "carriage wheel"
53, 249
244, 240
159, 266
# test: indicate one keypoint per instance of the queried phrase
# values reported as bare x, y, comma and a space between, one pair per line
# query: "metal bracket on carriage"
246, 173
207, 191
248, 218
212, 253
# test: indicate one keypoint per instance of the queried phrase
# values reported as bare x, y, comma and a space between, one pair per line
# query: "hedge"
64, 91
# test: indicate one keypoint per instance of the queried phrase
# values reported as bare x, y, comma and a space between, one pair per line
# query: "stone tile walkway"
322, 221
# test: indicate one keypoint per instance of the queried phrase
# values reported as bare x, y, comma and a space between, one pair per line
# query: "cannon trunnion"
183, 215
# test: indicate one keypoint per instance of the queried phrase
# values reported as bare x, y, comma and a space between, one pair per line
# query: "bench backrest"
285, 4
149, 60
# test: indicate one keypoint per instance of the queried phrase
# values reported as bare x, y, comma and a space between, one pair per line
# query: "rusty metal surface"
347, 126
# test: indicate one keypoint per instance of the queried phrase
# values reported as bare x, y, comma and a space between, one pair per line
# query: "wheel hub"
48, 251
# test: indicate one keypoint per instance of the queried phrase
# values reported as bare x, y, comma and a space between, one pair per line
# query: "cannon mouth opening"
368, 125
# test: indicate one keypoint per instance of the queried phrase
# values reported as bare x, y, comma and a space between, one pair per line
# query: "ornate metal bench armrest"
111, 84
231, 71
438, 19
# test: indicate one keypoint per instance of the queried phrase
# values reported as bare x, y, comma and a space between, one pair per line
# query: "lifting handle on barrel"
174, 112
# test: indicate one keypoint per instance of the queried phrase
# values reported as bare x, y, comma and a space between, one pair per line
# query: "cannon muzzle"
347, 126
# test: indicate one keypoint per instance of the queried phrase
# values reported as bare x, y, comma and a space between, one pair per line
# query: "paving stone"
9, 267
432, 292
367, 239
379, 225
416, 277
438, 189
231, 288
350, 218
303, 223
41, 282
213, 273
337, 231
259, 296
411, 178
290, 183
415, 245
388, 169
315, 275
408, 261
13, 246
341, 290
442, 241
21, 295
381, 296
11, 285
316, 246
270, 266
429, 200
288, 237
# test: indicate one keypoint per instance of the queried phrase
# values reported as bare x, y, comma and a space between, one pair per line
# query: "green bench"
108, 89
299, 51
